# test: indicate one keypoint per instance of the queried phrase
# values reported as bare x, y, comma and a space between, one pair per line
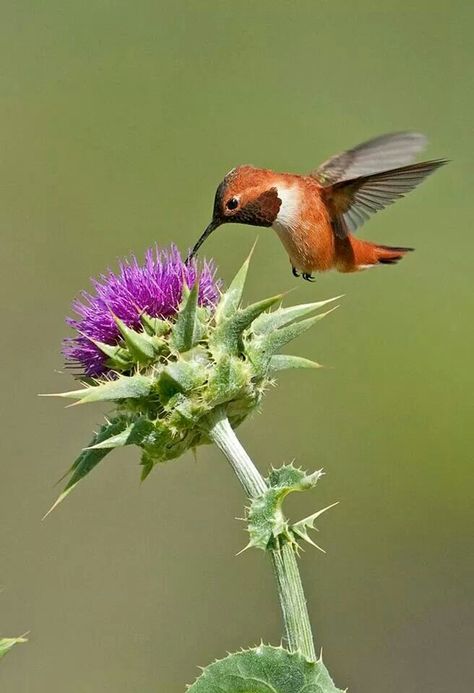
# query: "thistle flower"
151, 290
166, 347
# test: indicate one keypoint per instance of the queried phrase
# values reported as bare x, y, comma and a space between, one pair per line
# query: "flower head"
167, 348
154, 289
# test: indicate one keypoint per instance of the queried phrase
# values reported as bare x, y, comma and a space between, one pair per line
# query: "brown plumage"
315, 215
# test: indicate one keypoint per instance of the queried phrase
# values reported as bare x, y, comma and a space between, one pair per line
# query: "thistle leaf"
124, 387
266, 522
291, 478
183, 331
284, 316
283, 362
265, 669
6, 644
230, 300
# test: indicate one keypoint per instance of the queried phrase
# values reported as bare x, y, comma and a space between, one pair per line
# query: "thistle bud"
166, 345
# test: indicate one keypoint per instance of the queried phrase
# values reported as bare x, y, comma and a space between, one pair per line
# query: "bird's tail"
358, 254
391, 254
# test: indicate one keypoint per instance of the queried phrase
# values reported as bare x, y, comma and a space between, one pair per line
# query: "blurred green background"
117, 121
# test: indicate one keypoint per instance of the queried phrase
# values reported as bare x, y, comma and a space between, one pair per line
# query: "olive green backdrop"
117, 121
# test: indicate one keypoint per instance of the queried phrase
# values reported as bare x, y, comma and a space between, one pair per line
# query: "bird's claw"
307, 276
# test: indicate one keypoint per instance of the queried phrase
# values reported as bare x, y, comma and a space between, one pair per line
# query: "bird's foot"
294, 271
308, 277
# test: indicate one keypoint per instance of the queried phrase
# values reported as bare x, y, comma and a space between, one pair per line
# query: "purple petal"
155, 286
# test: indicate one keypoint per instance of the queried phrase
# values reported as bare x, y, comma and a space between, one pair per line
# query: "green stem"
293, 602
290, 589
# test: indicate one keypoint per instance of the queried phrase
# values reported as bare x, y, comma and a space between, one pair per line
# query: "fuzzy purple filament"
154, 287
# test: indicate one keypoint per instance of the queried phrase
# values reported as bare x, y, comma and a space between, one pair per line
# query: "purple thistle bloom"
154, 287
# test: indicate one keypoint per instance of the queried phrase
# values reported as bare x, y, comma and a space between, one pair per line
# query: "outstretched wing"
363, 180
380, 154
351, 202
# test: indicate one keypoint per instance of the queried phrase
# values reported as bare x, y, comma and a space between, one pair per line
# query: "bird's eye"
233, 203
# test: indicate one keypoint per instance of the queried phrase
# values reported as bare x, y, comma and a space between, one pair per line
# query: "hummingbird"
315, 215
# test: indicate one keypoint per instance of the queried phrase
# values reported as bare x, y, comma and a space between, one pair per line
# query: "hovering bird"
315, 215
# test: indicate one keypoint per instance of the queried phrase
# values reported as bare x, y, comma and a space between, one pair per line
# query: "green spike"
140, 344
228, 334
147, 464
310, 480
283, 316
117, 441
89, 458
115, 353
183, 330
95, 453
134, 434
124, 387
301, 528
118, 357
155, 327
232, 297
107, 430
310, 520
274, 341
6, 644
283, 362
62, 496
305, 536
246, 548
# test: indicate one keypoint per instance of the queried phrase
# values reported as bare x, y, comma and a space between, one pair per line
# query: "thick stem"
290, 590
293, 602
222, 434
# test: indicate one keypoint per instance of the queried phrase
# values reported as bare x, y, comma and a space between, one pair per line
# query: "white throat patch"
287, 217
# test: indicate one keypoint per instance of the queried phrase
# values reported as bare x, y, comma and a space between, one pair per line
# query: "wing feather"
352, 202
380, 154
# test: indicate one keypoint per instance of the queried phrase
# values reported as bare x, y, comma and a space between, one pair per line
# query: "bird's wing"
351, 202
380, 154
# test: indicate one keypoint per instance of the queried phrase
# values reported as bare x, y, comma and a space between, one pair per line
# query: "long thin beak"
212, 226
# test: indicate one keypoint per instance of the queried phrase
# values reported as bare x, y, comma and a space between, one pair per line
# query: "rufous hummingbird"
316, 214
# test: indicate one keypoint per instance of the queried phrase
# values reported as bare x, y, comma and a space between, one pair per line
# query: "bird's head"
245, 196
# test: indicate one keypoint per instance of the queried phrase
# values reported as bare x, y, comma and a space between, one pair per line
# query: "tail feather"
391, 254
355, 254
